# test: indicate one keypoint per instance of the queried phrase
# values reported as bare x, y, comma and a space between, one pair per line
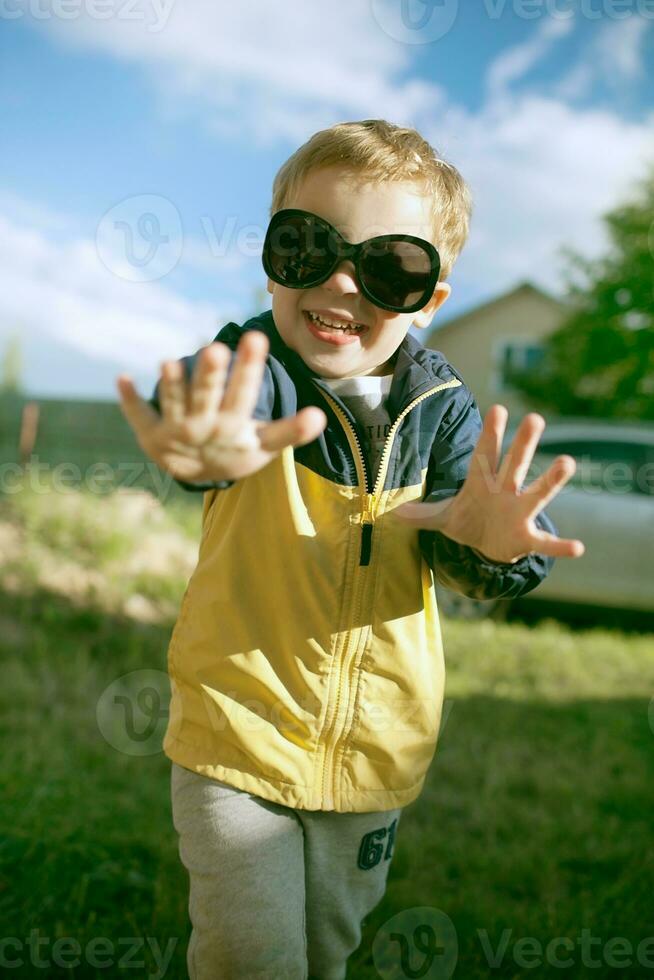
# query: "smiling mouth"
334, 325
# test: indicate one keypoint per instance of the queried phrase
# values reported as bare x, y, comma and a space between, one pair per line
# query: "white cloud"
64, 293
542, 173
614, 56
517, 61
619, 48
27, 212
542, 168
271, 70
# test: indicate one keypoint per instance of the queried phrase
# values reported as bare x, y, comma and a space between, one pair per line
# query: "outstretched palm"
205, 431
492, 512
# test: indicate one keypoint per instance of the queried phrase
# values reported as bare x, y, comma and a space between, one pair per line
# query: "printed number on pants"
372, 847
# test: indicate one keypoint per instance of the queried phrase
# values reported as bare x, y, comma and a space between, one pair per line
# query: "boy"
306, 663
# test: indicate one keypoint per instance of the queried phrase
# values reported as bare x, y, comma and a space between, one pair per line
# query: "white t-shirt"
365, 396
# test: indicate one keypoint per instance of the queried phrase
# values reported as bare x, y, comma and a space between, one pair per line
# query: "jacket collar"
417, 369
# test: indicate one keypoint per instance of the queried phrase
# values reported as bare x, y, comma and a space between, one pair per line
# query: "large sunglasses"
395, 272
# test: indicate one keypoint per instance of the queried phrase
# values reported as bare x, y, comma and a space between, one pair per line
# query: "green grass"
536, 816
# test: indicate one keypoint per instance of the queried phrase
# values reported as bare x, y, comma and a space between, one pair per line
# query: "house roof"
522, 288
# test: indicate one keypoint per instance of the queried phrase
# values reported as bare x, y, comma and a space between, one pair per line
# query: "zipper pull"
366, 531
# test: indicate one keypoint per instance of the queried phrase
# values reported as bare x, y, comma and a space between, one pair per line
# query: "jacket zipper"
370, 504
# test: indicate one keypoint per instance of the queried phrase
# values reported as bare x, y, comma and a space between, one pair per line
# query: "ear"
424, 316
270, 286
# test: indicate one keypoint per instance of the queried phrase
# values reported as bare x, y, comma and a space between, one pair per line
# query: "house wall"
473, 342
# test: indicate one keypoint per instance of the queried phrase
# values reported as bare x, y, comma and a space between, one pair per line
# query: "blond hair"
377, 150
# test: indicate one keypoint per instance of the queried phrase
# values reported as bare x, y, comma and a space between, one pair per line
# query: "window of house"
515, 355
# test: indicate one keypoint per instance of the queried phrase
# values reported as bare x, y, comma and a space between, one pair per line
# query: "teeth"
346, 326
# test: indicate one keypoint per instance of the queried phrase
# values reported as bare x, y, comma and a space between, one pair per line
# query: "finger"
245, 380
485, 459
296, 430
172, 392
548, 484
209, 376
549, 544
520, 454
140, 414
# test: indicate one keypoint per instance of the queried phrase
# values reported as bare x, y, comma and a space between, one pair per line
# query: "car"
608, 504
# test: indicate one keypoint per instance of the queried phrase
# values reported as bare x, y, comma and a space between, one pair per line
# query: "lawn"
534, 825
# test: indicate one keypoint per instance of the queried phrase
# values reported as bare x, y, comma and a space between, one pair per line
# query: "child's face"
358, 210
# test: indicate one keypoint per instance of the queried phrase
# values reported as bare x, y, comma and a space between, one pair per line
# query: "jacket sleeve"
263, 411
460, 567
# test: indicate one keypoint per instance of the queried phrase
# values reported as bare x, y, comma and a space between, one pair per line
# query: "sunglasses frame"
348, 250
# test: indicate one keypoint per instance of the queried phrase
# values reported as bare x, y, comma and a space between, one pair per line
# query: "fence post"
28, 429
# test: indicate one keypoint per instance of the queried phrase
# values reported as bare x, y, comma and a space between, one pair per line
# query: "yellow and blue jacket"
306, 663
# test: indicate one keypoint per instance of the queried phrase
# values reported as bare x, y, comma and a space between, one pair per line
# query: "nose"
343, 279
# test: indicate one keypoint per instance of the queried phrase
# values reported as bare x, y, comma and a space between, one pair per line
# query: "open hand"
205, 431
492, 512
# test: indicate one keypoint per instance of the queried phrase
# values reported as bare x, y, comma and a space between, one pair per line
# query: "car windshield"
609, 465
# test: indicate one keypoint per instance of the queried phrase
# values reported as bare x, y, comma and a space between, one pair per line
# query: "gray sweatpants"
275, 893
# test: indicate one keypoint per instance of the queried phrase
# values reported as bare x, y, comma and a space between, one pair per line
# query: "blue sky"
112, 110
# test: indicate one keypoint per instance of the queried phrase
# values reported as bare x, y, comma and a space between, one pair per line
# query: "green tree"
12, 367
600, 361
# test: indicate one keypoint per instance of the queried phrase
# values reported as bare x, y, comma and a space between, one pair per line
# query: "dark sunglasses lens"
396, 273
299, 250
